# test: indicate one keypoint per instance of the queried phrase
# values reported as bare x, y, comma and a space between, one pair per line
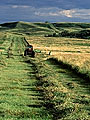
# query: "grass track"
19, 98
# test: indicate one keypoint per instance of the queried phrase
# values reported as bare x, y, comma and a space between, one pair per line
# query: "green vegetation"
27, 28
46, 29
19, 98
65, 76
84, 34
70, 25
55, 84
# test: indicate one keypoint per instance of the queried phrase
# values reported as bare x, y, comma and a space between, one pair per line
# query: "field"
72, 51
55, 85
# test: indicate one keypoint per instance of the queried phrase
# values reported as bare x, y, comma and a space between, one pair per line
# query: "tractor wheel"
33, 54
25, 53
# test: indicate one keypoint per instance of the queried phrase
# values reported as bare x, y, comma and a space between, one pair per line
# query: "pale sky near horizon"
45, 10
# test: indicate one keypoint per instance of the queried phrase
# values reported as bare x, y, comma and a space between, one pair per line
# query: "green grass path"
19, 98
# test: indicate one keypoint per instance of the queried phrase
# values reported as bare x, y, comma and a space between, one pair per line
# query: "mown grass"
69, 50
15, 98
65, 81
19, 98
66, 95
47, 86
80, 62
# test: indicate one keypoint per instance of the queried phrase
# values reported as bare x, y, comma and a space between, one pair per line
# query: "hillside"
28, 28
42, 28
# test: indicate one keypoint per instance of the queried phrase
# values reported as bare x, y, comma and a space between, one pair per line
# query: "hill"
42, 29
28, 28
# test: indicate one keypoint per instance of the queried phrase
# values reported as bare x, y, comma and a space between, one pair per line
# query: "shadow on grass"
74, 71
34, 106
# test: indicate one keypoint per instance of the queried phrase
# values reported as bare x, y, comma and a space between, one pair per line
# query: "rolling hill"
42, 28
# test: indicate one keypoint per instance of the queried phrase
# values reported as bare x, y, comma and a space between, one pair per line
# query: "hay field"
52, 85
73, 51
68, 70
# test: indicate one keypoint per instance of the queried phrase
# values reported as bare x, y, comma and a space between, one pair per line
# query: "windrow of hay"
79, 60
73, 51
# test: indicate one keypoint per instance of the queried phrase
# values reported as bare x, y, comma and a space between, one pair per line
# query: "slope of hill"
42, 28
29, 28
77, 25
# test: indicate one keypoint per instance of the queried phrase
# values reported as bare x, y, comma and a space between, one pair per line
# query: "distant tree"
54, 34
64, 33
47, 22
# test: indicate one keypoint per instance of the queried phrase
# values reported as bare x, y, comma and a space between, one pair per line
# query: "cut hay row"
80, 61
72, 51
19, 97
65, 92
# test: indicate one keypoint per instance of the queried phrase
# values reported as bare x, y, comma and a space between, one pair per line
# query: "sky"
45, 10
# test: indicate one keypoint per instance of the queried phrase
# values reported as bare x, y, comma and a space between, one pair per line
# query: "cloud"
63, 4
67, 13
72, 13
53, 14
48, 11
82, 13
77, 13
20, 6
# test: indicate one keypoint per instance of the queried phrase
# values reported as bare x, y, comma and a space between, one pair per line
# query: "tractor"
29, 51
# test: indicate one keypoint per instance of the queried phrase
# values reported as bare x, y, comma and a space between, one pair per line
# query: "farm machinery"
29, 51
